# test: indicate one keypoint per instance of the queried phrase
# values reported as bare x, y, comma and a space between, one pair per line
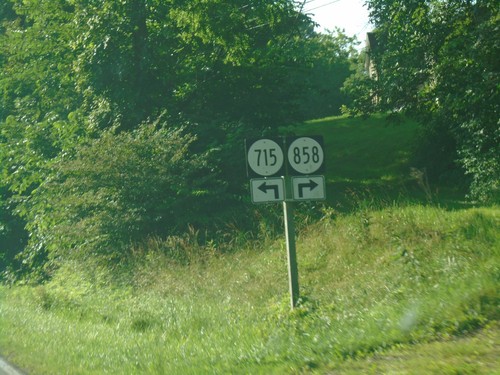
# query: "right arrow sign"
308, 188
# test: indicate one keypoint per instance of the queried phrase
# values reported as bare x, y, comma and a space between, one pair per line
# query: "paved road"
6, 369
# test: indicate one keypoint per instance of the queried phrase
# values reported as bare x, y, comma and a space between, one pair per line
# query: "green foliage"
361, 90
36, 81
436, 60
435, 152
330, 58
117, 190
122, 58
71, 70
119, 63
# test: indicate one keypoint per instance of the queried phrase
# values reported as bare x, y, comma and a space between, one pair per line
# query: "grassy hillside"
365, 158
388, 287
371, 160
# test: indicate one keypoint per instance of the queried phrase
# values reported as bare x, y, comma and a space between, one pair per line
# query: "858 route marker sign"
305, 155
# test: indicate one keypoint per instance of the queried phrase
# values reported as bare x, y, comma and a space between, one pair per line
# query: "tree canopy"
75, 74
437, 60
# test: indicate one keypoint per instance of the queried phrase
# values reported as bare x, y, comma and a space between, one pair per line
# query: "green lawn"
368, 151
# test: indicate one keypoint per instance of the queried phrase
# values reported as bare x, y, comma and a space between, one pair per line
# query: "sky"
349, 15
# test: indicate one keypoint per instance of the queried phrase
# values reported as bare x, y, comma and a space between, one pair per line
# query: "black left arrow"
264, 187
311, 185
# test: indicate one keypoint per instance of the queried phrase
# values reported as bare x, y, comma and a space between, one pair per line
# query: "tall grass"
370, 281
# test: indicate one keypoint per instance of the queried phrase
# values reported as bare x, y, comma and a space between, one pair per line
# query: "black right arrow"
311, 185
265, 187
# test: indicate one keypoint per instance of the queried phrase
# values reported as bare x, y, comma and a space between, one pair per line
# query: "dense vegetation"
437, 61
395, 286
86, 85
76, 75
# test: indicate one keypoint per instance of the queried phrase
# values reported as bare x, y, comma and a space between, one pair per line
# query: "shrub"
117, 190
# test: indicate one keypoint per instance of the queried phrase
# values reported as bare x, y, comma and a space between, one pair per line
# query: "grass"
371, 282
378, 150
386, 288
471, 354
371, 160
364, 157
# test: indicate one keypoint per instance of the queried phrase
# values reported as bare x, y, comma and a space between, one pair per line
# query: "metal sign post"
270, 166
293, 272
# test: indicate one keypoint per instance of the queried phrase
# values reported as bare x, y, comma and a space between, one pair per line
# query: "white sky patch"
349, 15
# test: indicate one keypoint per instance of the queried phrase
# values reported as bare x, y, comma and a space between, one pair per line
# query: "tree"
243, 62
75, 71
330, 60
38, 93
13, 237
437, 62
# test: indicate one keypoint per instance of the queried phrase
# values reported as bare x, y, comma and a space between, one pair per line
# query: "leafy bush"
119, 189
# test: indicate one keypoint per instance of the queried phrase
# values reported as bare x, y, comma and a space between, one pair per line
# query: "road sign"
267, 189
265, 157
266, 160
305, 155
308, 188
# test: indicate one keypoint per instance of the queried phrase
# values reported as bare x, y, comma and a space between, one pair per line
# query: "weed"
420, 176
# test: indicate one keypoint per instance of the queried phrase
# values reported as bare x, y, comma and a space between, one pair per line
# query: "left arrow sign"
267, 190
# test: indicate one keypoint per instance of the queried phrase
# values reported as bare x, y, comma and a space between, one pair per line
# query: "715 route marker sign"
265, 157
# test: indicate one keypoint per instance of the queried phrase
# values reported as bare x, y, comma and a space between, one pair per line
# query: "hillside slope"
365, 158
390, 286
